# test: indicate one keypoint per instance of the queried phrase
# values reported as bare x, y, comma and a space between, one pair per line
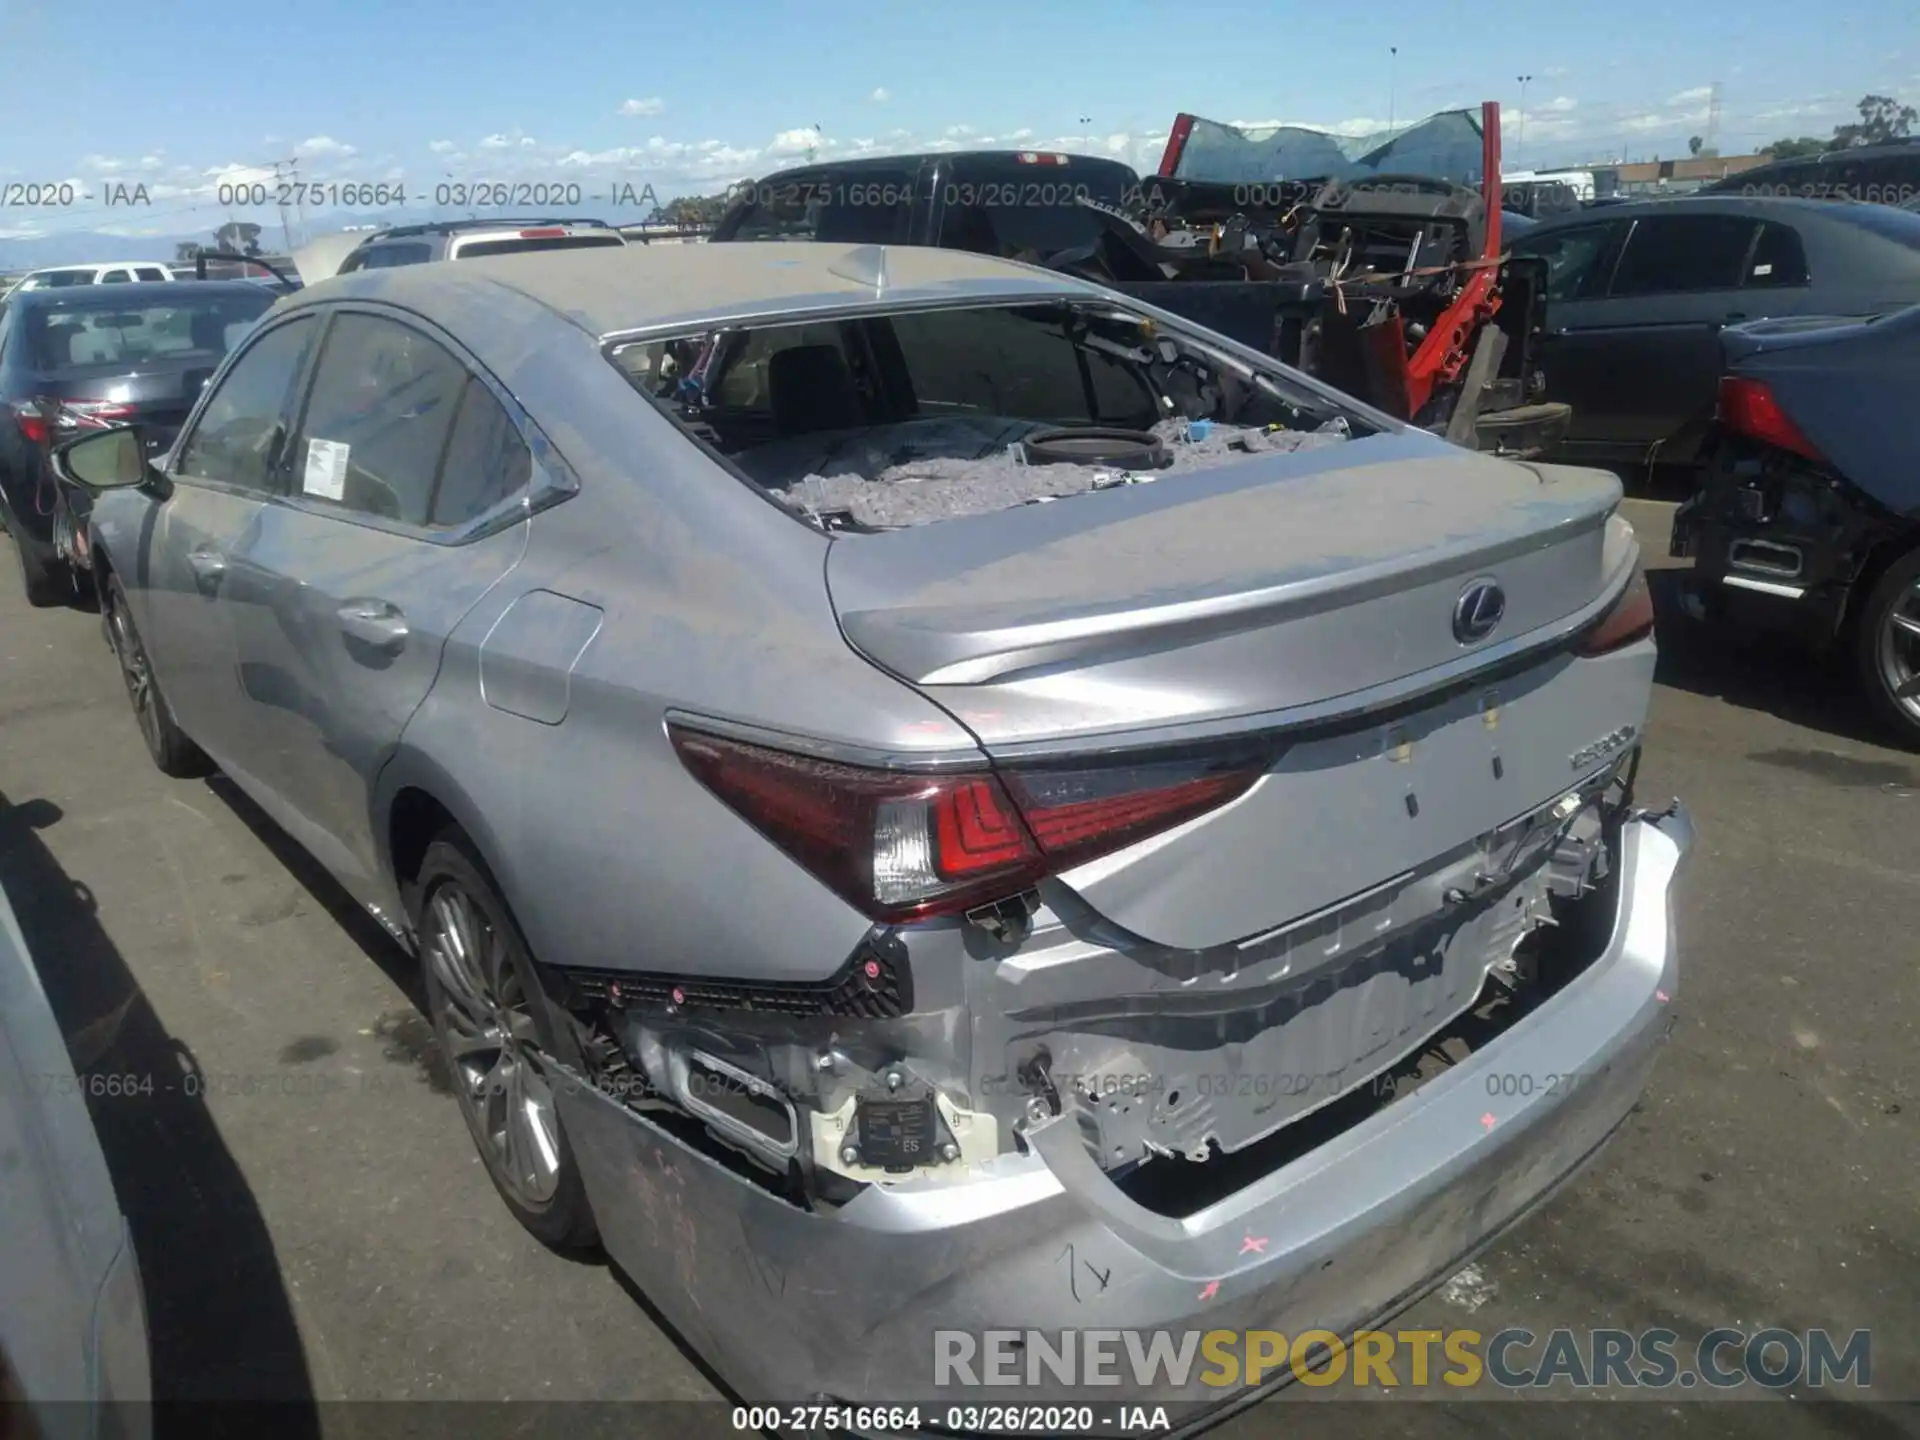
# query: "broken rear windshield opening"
897, 420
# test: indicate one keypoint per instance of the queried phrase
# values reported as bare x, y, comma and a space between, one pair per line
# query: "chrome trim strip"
1764, 587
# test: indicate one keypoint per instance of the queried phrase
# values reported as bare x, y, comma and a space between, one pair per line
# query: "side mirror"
108, 460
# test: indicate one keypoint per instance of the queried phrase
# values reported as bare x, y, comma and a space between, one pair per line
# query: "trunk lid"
1315, 588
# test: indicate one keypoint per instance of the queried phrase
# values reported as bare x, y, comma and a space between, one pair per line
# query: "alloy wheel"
138, 675
486, 1026
1899, 650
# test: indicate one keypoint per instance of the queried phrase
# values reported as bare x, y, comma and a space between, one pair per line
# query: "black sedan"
1638, 293
95, 356
1808, 519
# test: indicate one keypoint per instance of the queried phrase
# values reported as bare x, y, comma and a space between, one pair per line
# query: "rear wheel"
484, 1006
1887, 647
167, 743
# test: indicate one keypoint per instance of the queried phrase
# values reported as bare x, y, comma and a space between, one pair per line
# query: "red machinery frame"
1448, 345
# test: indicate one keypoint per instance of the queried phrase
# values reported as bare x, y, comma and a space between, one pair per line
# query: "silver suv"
471, 239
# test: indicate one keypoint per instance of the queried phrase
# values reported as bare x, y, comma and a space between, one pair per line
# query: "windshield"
67, 339
1446, 146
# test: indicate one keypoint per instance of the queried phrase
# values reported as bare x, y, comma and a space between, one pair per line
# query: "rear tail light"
546, 232
1035, 157
32, 423
902, 846
1629, 619
92, 414
1749, 408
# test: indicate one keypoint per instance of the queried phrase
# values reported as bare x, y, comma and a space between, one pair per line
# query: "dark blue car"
1808, 518
94, 356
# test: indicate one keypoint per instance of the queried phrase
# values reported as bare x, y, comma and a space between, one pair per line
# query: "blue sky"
688, 97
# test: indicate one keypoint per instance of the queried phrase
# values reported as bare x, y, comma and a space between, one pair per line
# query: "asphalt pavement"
313, 1223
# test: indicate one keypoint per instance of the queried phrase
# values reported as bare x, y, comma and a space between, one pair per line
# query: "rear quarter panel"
713, 602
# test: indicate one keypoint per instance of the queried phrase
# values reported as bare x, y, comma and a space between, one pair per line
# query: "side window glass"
486, 460
242, 430
117, 277
1683, 254
378, 417
1571, 257
1778, 259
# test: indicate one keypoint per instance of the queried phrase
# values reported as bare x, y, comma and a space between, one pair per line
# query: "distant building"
1667, 177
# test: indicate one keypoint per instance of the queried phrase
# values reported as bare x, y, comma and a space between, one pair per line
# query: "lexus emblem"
1478, 611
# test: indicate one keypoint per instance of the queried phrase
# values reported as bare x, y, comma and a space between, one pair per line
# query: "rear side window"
380, 257
150, 272
486, 461
117, 277
1683, 254
1778, 259
238, 438
378, 417
56, 279
475, 249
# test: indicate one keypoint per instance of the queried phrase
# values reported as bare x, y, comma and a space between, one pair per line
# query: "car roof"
503, 222
92, 265
622, 289
106, 297
1777, 207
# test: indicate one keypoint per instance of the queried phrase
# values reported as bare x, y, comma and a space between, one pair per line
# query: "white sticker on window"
326, 470
1763, 269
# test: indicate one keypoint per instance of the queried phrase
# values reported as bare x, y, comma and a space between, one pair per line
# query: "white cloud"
320, 146
442, 147
1023, 133
1691, 97
798, 141
1560, 104
495, 142
880, 95
102, 164
652, 105
527, 142
960, 132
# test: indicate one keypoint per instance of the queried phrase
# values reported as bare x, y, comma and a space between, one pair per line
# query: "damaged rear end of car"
1241, 966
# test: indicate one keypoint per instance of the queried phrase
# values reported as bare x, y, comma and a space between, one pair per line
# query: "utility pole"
812, 145
1393, 78
286, 235
1521, 143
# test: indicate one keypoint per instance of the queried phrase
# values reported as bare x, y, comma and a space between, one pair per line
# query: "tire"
1886, 649
167, 743
44, 576
485, 1009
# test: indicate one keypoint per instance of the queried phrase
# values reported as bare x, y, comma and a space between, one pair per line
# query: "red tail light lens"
545, 232
95, 414
1748, 407
32, 423
1630, 619
902, 846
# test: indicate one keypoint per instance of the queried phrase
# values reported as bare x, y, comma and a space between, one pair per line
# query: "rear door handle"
374, 623
208, 567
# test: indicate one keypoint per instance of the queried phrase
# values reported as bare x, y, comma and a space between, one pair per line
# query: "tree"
1694, 142
1795, 149
1882, 118
238, 237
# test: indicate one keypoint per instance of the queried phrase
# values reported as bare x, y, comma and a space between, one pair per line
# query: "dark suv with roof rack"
471, 239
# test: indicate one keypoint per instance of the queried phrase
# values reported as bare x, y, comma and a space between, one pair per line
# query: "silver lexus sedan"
928, 795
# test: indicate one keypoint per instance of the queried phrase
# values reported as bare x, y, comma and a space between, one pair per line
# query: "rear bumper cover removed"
788, 1304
